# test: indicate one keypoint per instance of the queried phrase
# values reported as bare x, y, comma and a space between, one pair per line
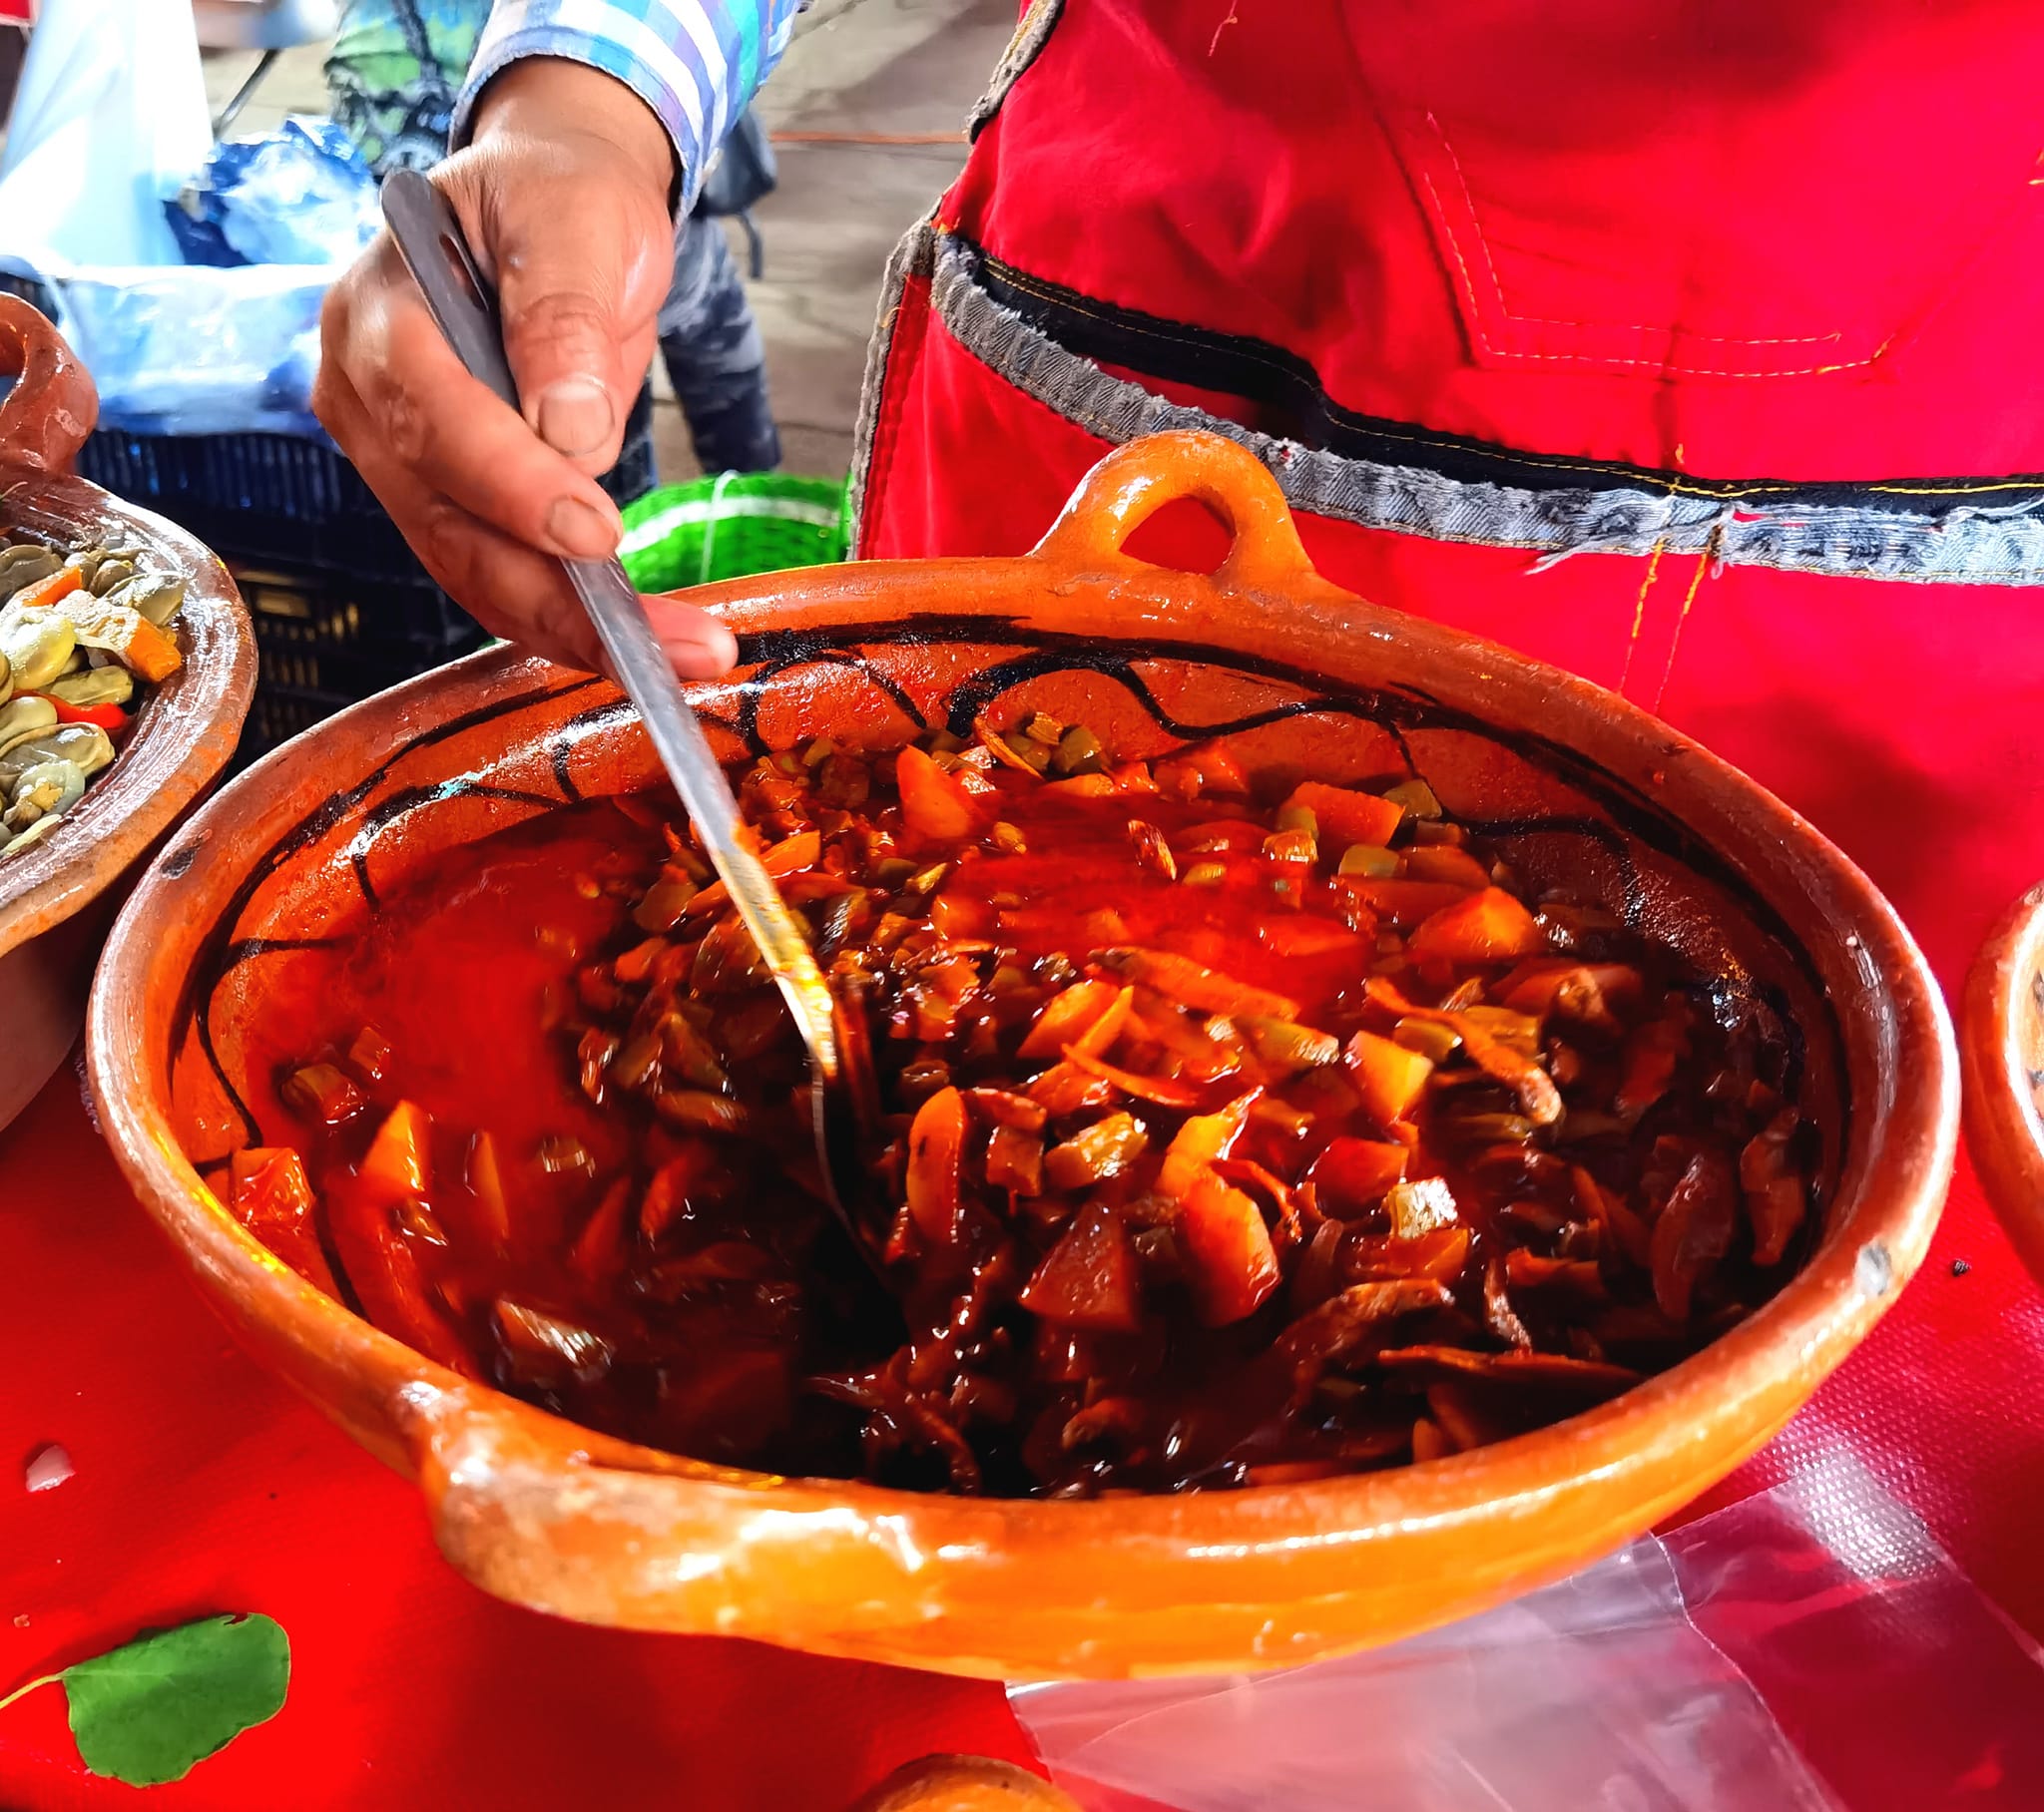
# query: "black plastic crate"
341, 606
323, 642
281, 498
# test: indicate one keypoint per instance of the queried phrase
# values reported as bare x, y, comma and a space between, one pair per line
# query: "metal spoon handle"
431, 240
640, 668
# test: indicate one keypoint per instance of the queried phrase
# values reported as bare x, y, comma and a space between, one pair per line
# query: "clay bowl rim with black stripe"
553, 1516
2001, 1053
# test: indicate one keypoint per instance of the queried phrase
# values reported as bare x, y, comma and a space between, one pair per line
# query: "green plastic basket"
733, 526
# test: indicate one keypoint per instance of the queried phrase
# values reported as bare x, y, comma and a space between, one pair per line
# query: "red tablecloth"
202, 1486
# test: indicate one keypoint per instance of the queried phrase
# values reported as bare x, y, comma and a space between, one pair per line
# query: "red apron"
1691, 348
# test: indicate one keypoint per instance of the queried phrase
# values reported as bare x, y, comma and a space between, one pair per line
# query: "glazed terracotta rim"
2004, 1131
1901, 1130
189, 726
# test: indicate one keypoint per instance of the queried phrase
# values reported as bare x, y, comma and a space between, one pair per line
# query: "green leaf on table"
148, 1711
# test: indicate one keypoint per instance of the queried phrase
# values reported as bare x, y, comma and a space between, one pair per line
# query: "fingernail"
581, 530
711, 651
574, 416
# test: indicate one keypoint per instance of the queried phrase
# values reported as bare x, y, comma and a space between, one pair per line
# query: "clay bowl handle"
53, 405
1133, 483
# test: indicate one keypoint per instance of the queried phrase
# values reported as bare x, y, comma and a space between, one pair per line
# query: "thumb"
581, 279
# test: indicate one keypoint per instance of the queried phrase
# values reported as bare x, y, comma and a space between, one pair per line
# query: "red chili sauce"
1219, 1142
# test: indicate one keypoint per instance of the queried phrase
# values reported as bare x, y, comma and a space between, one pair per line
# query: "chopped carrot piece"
603, 1248
386, 1277
1105, 1148
1102, 1033
1014, 1161
1530, 988
1165, 1090
1345, 815
1193, 985
1083, 786
1089, 1278
1401, 904
1007, 1109
1776, 1211
1223, 837
1200, 1141
1231, 1265
486, 1185
1651, 1055
680, 1185
269, 1186
1542, 987
933, 801
790, 856
1068, 1014
1488, 927
1444, 862
399, 1163
1209, 768
1306, 935
270, 1192
1064, 1088
1388, 1076
957, 915
1441, 1255
1351, 1175
936, 1142
60, 583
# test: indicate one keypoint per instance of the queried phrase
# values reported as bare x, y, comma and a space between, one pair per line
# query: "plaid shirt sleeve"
695, 63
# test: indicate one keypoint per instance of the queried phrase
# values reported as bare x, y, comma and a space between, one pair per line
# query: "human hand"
563, 196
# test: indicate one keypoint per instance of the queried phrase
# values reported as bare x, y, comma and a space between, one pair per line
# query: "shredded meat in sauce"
1223, 1144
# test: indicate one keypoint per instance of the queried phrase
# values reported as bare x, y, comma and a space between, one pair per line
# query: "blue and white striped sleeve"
695, 63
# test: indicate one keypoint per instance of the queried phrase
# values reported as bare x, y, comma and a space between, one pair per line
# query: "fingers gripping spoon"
430, 240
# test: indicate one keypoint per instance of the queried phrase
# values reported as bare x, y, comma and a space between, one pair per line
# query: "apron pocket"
1732, 190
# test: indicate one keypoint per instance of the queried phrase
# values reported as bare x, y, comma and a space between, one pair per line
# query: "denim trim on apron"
914, 258
1031, 34
1950, 534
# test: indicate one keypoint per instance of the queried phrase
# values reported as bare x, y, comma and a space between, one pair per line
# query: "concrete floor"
858, 68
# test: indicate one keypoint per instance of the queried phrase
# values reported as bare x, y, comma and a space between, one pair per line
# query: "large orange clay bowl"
1300, 678
55, 897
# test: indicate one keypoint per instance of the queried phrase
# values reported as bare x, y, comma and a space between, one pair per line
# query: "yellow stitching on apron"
1704, 561
1639, 612
1539, 320
1596, 358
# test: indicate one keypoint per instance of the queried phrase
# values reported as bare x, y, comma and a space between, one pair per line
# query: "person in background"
392, 80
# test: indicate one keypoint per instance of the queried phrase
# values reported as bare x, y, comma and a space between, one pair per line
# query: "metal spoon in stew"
430, 240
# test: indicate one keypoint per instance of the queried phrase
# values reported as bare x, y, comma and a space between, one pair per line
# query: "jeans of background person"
710, 346
391, 80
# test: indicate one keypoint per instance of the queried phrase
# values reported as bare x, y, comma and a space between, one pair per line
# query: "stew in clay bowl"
125, 670
1363, 1123
2001, 1047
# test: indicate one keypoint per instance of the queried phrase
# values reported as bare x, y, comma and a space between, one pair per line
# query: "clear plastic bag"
110, 123
1807, 1650
196, 350
109, 119
298, 196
